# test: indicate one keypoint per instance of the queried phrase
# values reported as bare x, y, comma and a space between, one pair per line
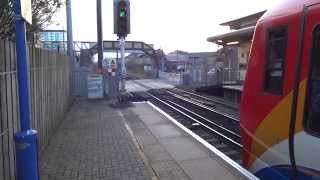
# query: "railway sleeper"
213, 141
221, 146
200, 132
205, 136
231, 153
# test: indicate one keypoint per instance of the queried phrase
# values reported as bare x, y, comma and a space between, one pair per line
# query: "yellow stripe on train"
275, 127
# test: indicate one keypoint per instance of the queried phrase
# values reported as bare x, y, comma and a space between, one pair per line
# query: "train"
280, 104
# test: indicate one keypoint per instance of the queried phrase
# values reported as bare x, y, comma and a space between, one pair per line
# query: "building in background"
195, 66
54, 40
233, 57
176, 61
139, 65
202, 68
234, 54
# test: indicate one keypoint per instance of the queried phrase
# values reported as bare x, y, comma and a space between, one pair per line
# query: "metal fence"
80, 81
49, 75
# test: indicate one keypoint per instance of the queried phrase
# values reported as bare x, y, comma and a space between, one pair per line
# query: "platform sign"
95, 86
26, 11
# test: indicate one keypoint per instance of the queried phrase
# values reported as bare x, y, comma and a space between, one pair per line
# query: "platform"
93, 143
234, 87
96, 142
233, 92
147, 84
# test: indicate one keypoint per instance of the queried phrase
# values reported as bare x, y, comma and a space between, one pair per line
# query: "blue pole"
22, 65
26, 141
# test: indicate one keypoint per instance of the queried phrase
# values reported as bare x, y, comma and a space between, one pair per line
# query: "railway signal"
122, 17
121, 10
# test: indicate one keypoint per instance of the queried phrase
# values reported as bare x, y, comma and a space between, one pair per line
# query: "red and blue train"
280, 106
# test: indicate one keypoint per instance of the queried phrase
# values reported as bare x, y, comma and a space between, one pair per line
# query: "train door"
304, 146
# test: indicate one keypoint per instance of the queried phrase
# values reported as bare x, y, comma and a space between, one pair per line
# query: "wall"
234, 59
244, 50
230, 69
198, 66
49, 75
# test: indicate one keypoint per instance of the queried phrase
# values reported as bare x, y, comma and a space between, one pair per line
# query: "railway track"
219, 129
214, 104
218, 104
211, 99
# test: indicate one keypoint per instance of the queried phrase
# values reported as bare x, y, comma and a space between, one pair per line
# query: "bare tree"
6, 18
42, 13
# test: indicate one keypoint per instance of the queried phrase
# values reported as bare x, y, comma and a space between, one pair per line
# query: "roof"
287, 8
178, 52
244, 22
238, 35
202, 54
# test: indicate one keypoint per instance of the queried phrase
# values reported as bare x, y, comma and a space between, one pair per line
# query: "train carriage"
280, 106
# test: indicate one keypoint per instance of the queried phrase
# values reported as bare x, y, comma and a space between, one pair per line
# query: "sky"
167, 24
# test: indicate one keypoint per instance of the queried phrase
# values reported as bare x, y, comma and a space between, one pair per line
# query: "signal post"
122, 29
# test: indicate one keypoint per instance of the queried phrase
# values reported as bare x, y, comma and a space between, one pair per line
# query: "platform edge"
221, 155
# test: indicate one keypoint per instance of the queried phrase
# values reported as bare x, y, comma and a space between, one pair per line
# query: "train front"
278, 113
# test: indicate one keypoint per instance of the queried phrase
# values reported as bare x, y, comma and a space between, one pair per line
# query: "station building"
53, 40
176, 60
233, 56
201, 67
196, 66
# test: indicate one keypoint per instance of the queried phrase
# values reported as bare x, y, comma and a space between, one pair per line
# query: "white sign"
26, 11
147, 68
95, 86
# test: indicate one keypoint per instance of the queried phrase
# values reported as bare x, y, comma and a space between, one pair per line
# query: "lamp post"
99, 35
69, 32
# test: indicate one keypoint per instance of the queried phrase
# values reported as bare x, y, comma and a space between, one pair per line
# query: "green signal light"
122, 13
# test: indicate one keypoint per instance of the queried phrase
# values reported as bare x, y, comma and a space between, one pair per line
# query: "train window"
312, 112
275, 60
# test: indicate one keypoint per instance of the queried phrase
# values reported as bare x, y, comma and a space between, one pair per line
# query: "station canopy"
242, 30
240, 35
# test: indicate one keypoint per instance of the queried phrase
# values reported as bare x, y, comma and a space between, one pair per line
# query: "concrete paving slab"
149, 115
164, 130
164, 166
152, 120
181, 148
156, 152
145, 138
143, 110
93, 143
205, 169
173, 153
169, 170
